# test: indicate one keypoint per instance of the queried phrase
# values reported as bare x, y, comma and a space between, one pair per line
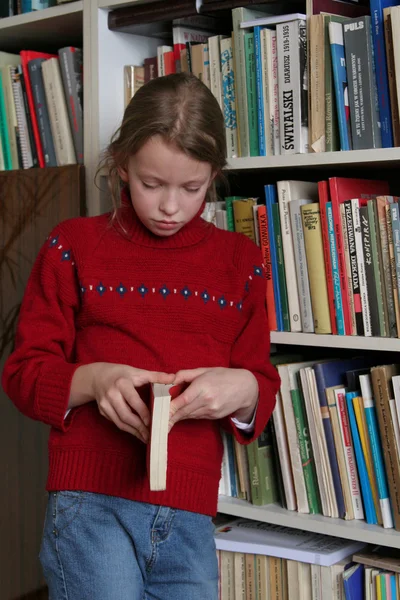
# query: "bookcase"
105, 54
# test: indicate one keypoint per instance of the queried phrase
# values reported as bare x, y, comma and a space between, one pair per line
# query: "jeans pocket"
67, 507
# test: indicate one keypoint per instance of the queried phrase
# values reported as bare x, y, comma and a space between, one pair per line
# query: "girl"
151, 293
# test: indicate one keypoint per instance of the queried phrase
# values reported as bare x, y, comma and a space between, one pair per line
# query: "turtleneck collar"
128, 223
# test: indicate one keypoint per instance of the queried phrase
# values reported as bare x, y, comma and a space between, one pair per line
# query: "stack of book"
259, 74
331, 251
332, 446
41, 118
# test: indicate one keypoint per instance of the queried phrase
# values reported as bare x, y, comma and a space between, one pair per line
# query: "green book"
377, 268
306, 452
281, 267
4, 137
261, 469
251, 94
229, 210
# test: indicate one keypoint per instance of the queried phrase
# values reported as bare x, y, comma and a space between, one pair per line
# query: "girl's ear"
123, 173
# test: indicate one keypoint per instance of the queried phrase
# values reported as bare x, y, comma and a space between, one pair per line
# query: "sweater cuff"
52, 394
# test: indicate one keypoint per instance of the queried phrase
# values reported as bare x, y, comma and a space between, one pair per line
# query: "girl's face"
167, 187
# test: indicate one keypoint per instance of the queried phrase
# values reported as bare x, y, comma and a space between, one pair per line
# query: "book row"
41, 118
331, 251
266, 562
10, 8
332, 446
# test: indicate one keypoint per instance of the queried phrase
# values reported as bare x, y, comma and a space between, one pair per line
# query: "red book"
339, 7
342, 189
150, 69
169, 63
265, 248
26, 56
323, 192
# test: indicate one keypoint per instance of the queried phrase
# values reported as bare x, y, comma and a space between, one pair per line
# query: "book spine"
288, 254
347, 270
366, 315
300, 261
71, 73
317, 83
378, 268
349, 455
283, 454
254, 470
369, 271
274, 94
265, 91
381, 72
335, 271
281, 268
270, 199
4, 136
332, 142
306, 453
28, 115
240, 82
392, 262
35, 73
395, 214
361, 77
266, 251
290, 87
243, 214
323, 193
251, 94
370, 513
269, 490
340, 82
260, 87
11, 116
214, 50
239, 575
394, 105
229, 100
316, 267
381, 202
26, 153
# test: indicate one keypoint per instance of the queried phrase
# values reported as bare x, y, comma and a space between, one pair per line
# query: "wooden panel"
32, 202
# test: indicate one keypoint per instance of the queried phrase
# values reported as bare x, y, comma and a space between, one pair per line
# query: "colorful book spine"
369, 271
341, 87
260, 86
266, 252
251, 93
281, 267
229, 97
366, 313
395, 214
378, 37
335, 271
370, 513
377, 267
270, 200
376, 448
4, 136
323, 196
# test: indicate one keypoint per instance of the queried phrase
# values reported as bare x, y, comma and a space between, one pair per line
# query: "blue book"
4, 136
376, 450
329, 374
393, 587
366, 491
262, 146
26, 6
341, 86
353, 581
270, 199
231, 464
335, 270
382, 83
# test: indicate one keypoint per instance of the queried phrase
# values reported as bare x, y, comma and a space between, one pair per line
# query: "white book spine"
240, 576
23, 134
265, 62
225, 467
288, 253
355, 209
303, 283
214, 49
351, 468
316, 585
229, 99
283, 454
58, 113
292, 72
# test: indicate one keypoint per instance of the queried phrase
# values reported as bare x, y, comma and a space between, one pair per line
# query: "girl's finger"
188, 375
111, 415
129, 393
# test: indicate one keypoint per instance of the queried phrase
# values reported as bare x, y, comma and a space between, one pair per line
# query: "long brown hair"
182, 110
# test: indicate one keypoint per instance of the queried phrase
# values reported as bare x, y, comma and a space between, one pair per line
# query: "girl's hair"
183, 111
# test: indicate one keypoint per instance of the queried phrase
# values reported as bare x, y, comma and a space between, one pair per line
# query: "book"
42, 111
340, 83
379, 557
353, 582
255, 537
270, 200
390, 63
71, 65
22, 119
272, 20
229, 97
133, 81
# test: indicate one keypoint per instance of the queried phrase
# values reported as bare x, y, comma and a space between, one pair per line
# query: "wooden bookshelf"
348, 342
120, 3
275, 514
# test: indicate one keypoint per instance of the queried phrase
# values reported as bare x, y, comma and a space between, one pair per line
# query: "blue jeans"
98, 547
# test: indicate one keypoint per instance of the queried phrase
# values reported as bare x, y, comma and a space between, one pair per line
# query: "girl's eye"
148, 186
192, 190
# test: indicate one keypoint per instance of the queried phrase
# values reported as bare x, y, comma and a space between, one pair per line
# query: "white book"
288, 191
366, 314
283, 454
316, 589
396, 428
160, 59
286, 376
221, 219
229, 98
256, 537
214, 50
293, 86
225, 472
332, 581
240, 576
272, 20
351, 468
300, 259
23, 133
396, 388
58, 113
157, 449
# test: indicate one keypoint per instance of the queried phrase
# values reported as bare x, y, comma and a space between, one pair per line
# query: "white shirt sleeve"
246, 427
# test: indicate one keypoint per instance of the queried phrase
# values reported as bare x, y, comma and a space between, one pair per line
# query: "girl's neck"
128, 223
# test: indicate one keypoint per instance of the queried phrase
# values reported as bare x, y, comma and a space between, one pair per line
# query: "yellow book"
378, 584
244, 217
251, 581
311, 218
262, 577
362, 427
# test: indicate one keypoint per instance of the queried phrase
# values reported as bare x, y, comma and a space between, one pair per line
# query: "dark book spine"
369, 271
35, 159
42, 114
71, 64
363, 96
354, 267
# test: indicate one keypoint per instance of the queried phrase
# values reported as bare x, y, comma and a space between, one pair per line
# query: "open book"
157, 448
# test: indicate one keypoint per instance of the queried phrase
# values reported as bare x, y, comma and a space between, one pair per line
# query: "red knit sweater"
100, 292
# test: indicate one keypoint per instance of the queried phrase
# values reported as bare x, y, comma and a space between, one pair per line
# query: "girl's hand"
214, 393
113, 386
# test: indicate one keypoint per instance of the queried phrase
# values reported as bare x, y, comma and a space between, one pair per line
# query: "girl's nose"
169, 202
